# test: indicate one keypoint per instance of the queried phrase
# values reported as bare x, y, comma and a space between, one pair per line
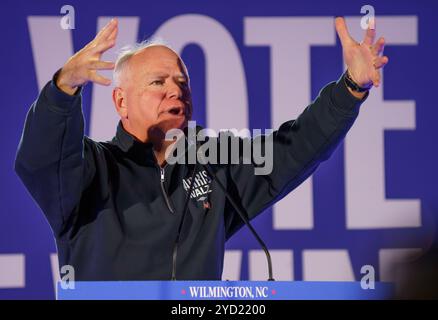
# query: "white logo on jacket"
201, 187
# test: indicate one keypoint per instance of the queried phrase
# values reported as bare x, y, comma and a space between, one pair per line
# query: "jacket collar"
123, 139
139, 151
130, 145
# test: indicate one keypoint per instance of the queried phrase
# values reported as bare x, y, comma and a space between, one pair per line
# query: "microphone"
229, 197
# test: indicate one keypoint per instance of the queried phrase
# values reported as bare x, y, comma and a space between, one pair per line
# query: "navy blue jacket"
115, 213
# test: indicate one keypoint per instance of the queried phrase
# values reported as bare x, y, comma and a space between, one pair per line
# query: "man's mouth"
176, 111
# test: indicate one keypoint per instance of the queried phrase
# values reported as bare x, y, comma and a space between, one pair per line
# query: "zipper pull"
162, 174
166, 197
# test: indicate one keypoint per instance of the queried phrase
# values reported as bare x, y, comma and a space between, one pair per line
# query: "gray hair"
125, 54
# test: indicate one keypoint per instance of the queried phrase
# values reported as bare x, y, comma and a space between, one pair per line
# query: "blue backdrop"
359, 209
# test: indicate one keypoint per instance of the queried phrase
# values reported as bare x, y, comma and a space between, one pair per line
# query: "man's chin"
174, 122
159, 130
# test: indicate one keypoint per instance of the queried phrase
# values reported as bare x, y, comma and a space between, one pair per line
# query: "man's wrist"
359, 95
353, 85
62, 86
355, 90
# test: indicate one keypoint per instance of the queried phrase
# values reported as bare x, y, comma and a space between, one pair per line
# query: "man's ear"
120, 102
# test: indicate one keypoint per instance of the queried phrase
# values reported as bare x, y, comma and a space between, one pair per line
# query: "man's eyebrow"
165, 75
157, 74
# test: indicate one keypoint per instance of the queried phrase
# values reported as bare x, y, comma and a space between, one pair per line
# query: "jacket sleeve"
299, 146
50, 158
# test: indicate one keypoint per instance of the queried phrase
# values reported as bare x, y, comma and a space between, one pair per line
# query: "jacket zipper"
163, 190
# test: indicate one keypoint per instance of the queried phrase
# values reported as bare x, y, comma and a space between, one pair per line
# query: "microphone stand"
241, 214
233, 203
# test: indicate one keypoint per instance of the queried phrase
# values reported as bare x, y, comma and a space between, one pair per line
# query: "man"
115, 207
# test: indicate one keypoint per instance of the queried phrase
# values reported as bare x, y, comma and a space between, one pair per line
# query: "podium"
221, 290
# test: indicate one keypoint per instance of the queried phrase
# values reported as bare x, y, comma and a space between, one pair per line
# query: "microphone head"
190, 129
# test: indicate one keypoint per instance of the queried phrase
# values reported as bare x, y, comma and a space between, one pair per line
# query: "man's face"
156, 94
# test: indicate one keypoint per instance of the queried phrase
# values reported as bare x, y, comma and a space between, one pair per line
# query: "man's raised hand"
82, 67
364, 60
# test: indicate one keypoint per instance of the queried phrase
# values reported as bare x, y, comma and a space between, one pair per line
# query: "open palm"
364, 60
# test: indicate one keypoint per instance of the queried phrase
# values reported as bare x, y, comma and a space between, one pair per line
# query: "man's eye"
157, 82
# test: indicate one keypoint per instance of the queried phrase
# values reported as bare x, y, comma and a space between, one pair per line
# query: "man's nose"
174, 91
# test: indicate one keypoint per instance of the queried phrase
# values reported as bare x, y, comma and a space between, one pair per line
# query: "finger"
97, 78
380, 62
102, 65
99, 34
107, 30
108, 43
113, 35
104, 45
342, 31
376, 79
370, 34
379, 46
